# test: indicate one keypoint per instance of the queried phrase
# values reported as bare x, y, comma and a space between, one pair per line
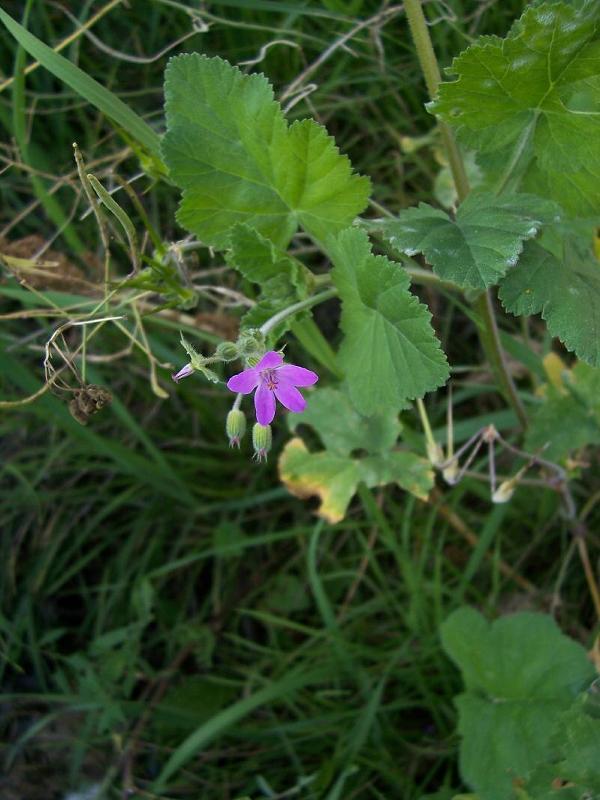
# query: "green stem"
293, 309
490, 339
489, 335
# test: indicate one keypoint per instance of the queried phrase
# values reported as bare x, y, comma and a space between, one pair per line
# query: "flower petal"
289, 396
244, 382
264, 403
297, 376
270, 360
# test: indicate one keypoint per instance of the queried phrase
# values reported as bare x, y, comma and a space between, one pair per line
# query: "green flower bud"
261, 441
251, 343
235, 426
227, 351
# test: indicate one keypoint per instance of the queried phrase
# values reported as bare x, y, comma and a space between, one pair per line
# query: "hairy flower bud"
251, 343
235, 426
227, 351
261, 441
184, 372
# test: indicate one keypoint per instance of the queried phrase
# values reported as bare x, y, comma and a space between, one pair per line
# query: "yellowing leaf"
331, 477
554, 367
334, 474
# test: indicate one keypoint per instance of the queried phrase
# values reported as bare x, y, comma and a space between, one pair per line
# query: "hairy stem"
488, 330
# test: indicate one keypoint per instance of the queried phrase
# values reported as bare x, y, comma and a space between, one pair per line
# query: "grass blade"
228, 717
84, 85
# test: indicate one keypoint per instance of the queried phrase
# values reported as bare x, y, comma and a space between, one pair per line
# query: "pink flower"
273, 379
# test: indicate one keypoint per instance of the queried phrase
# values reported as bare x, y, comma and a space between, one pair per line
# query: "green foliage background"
172, 622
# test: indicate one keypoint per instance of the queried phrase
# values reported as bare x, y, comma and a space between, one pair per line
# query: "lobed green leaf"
390, 353
231, 150
566, 294
283, 280
480, 245
520, 673
534, 97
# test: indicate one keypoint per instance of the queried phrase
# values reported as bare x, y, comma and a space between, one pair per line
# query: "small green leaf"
520, 674
533, 99
566, 294
576, 403
390, 353
342, 429
283, 280
572, 771
478, 247
580, 739
198, 361
230, 149
287, 594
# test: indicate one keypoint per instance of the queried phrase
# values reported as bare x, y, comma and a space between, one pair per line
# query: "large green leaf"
479, 246
231, 150
566, 294
390, 353
534, 97
92, 91
520, 673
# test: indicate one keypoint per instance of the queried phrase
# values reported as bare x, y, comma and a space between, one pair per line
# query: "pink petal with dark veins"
244, 382
270, 360
297, 376
264, 403
290, 397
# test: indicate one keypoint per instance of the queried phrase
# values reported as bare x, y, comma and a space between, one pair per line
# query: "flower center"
269, 379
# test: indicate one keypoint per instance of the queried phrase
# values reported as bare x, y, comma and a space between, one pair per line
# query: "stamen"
270, 379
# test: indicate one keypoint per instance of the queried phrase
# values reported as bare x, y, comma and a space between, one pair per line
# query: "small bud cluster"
249, 347
262, 437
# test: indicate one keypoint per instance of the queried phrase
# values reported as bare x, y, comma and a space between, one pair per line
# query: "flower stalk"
488, 328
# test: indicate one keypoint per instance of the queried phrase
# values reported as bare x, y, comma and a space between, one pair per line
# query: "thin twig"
436, 500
